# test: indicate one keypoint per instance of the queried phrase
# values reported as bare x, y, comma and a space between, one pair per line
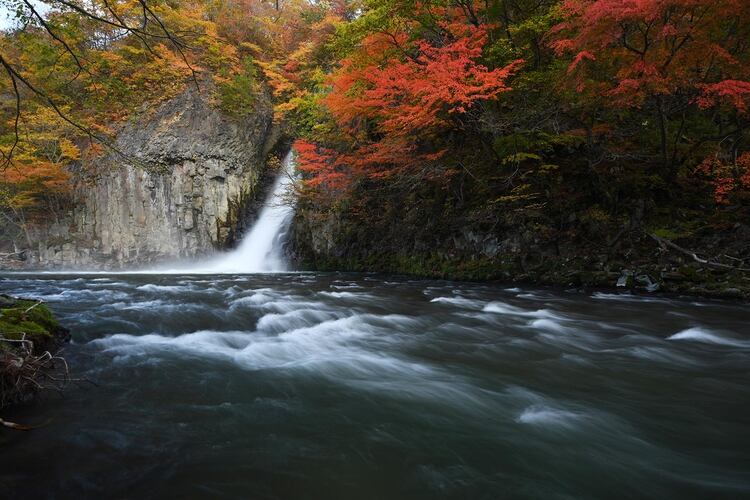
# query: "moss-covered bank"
30, 337
635, 257
690, 279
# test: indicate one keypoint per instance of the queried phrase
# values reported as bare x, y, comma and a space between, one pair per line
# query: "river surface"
338, 386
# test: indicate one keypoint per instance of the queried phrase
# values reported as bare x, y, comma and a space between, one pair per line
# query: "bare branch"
664, 243
8, 158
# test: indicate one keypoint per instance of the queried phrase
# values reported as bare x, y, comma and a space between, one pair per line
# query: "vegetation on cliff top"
73, 72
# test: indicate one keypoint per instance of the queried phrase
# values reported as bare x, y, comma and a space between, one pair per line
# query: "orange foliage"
655, 47
726, 178
393, 96
415, 92
39, 177
320, 164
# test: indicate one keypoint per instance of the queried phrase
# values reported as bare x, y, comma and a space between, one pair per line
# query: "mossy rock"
23, 367
30, 320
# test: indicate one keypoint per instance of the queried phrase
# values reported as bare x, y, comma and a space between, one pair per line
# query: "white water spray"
260, 250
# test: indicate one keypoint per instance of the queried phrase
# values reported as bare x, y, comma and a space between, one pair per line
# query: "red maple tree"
398, 93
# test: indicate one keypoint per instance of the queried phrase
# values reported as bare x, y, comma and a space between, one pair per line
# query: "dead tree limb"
665, 243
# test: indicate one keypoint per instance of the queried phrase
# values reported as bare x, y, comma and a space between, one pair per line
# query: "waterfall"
260, 249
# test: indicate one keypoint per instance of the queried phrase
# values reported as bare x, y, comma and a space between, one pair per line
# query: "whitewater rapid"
364, 386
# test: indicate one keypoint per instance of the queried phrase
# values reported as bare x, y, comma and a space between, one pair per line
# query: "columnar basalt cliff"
189, 171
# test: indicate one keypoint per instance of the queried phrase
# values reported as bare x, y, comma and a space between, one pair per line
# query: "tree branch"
16, 76
664, 243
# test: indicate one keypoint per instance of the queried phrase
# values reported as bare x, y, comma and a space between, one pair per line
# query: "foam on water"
503, 308
699, 334
545, 416
548, 324
150, 287
346, 295
628, 297
256, 299
459, 301
307, 339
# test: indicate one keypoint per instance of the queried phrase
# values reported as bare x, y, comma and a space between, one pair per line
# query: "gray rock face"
193, 170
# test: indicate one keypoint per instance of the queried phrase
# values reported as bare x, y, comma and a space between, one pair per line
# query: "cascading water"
260, 250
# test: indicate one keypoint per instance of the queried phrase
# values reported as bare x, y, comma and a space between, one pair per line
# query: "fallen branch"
13, 425
24, 373
665, 243
32, 307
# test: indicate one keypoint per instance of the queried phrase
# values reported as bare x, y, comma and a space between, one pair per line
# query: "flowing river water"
309, 385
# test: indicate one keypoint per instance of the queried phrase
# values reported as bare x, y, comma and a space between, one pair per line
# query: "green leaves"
237, 95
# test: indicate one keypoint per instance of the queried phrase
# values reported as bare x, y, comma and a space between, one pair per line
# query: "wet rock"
626, 279
647, 282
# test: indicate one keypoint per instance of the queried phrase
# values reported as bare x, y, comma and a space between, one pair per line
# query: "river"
305, 385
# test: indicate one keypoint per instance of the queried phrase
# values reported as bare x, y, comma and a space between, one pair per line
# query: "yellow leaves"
521, 157
302, 53
16, 200
129, 53
286, 106
252, 48
69, 151
113, 58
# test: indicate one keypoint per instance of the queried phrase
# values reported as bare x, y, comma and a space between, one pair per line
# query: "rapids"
313, 385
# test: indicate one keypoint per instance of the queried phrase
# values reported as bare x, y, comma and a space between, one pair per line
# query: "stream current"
314, 385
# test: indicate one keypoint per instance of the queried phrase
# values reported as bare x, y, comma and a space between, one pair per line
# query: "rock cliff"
417, 236
190, 171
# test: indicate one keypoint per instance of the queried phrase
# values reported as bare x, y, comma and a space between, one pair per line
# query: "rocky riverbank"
710, 263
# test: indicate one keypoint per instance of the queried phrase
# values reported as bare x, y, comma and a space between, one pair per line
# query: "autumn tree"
72, 72
665, 60
409, 84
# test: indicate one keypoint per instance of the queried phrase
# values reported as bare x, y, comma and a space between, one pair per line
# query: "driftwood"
13, 425
665, 243
23, 373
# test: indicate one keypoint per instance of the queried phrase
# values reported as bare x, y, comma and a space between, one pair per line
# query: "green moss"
420, 265
22, 367
27, 317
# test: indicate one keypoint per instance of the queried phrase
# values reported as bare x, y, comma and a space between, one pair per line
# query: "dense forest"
561, 141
